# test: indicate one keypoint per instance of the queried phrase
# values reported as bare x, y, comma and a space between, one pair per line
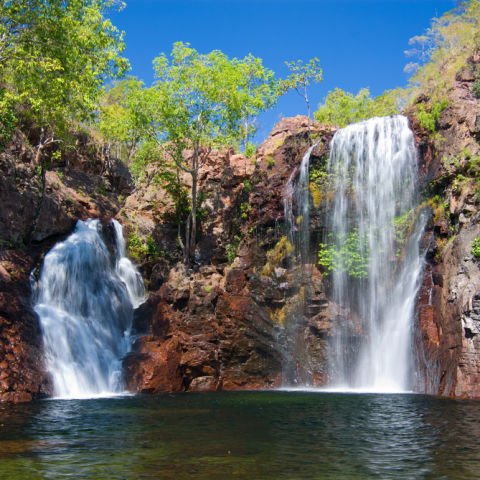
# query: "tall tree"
202, 101
302, 76
125, 117
444, 49
342, 108
58, 55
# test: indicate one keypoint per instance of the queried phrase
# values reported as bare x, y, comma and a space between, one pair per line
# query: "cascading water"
85, 302
296, 204
376, 262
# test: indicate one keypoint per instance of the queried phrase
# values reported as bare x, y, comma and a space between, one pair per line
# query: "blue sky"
360, 43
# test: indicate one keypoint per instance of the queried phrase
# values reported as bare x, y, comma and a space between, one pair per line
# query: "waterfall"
296, 204
85, 301
373, 250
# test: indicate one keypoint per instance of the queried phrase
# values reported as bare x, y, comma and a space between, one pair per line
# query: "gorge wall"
222, 323
448, 320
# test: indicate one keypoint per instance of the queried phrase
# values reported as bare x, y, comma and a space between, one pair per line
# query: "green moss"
270, 161
277, 255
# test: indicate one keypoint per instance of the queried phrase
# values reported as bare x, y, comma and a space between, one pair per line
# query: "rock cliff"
448, 321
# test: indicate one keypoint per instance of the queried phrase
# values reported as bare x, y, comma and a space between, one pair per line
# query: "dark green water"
265, 435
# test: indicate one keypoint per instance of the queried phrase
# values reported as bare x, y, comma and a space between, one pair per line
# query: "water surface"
261, 435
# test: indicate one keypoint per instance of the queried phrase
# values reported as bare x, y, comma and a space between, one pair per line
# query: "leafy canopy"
302, 76
126, 115
342, 108
206, 99
444, 48
56, 57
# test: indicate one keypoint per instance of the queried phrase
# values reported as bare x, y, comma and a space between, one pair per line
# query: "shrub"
428, 116
476, 88
347, 255
476, 247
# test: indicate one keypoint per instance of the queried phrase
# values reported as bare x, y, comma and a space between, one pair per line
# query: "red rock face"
226, 320
22, 376
448, 337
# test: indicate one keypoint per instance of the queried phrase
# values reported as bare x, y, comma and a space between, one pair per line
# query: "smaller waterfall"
85, 304
297, 198
296, 204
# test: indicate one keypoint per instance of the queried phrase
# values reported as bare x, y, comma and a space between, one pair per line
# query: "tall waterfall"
374, 249
85, 302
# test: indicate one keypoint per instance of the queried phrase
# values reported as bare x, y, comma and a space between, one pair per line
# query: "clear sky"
360, 43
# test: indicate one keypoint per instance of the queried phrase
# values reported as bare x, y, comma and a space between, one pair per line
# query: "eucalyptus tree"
202, 102
302, 76
125, 117
57, 56
342, 108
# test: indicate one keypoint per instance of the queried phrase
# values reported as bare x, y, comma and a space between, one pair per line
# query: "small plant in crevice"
277, 255
428, 116
231, 248
245, 209
476, 248
346, 254
476, 86
270, 161
250, 150
143, 248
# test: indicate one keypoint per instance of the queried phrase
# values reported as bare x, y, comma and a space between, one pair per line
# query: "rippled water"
266, 435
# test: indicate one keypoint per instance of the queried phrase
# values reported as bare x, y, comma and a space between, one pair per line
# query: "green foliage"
247, 186
56, 57
444, 49
126, 116
301, 77
277, 255
8, 117
245, 209
250, 150
143, 248
321, 184
232, 248
476, 87
204, 99
201, 102
429, 114
270, 161
476, 247
342, 108
349, 255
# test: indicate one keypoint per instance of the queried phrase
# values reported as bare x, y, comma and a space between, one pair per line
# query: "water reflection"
276, 435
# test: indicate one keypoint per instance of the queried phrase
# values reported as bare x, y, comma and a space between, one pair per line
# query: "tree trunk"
43, 179
191, 226
38, 154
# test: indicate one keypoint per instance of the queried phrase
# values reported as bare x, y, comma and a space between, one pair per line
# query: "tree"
444, 49
203, 101
58, 56
125, 117
258, 91
302, 76
342, 108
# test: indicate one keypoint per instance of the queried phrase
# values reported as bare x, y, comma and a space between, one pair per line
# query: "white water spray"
85, 304
376, 276
296, 204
